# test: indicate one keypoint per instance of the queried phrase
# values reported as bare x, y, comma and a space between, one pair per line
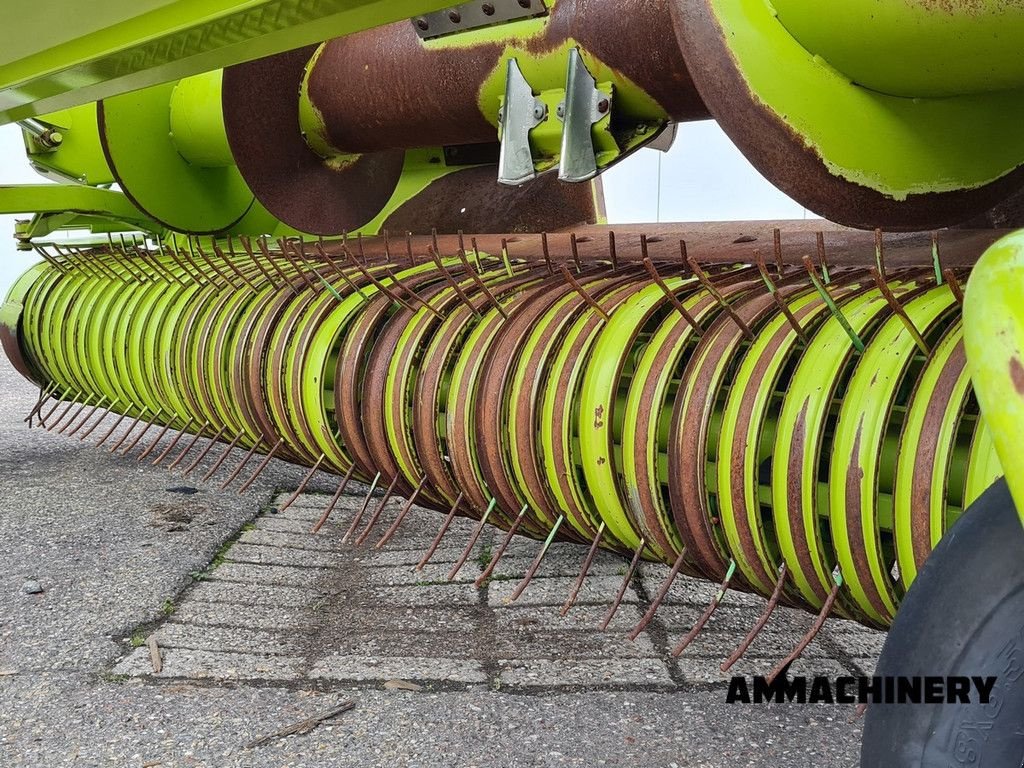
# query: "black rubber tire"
964, 615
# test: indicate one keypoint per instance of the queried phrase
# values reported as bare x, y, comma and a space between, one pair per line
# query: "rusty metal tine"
223, 457
265, 250
74, 417
176, 256
408, 247
202, 454
481, 284
379, 285
241, 465
201, 277
612, 250
702, 276
303, 484
213, 264
97, 264
377, 512
401, 515
954, 285
60, 399
131, 428
575, 248
880, 252
117, 423
138, 256
142, 434
777, 249
462, 240
79, 263
712, 607
247, 247
899, 311
71, 404
341, 272
150, 259
677, 566
396, 280
547, 252
769, 609
326, 256
50, 260
535, 566
476, 255
625, 585
282, 243
103, 416
333, 502
486, 573
584, 570
780, 302
583, 292
362, 510
123, 262
43, 396
192, 443
387, 247
474, 537
167, 451
832, 306
440, 534
259, 470
100, 269
231, 265
670, 295
812, 633
155, 443
92, 412
823, 258
451, 280
505, 259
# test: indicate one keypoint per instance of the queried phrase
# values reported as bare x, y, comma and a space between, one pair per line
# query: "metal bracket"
585, 105
521, 112
474, 15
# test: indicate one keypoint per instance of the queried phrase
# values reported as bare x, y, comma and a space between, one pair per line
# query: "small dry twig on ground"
303, 727
154, 655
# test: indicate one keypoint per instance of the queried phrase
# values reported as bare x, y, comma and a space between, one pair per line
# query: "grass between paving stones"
137, 636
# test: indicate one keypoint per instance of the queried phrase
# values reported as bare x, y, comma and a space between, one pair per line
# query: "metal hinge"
474, 15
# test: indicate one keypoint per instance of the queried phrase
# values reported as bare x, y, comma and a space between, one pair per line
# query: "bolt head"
603, 105
539, 111
422, 24
454, 17
525, 3
561, 110
488, 9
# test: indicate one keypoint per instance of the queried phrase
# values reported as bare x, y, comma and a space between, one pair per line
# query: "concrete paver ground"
261, 624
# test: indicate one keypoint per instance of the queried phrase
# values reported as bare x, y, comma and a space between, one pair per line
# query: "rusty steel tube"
387, 89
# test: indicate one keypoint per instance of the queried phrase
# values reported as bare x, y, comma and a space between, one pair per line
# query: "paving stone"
553, 591
545, 673
278, 575
215, 591
413, 669
236, 640
242, 615
216, 665
270, 555
303, 540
